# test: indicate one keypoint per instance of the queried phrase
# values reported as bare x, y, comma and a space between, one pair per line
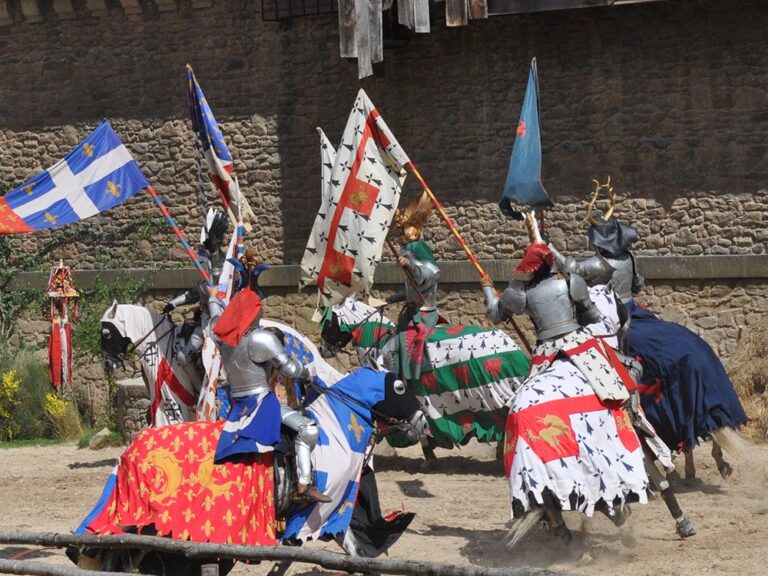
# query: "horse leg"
723, 467
690, 468
427, 450
279, 568
683, 526
555, 518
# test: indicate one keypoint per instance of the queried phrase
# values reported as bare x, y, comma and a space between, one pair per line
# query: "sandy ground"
462, 514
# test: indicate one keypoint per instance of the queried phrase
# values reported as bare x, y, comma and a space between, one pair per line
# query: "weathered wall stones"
669, 98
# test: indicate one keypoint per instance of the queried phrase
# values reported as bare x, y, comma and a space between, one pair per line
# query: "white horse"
173, 391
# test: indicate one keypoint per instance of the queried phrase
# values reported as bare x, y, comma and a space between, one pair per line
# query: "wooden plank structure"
193, 550
360, 21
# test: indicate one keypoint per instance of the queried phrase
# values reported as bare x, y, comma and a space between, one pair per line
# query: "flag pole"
182, 238
468, 251
448, 222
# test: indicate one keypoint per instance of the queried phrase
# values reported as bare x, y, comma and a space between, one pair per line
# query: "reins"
141, 340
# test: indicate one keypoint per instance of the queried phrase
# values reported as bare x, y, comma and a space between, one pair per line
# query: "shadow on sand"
96, 464
25, 553
443, 465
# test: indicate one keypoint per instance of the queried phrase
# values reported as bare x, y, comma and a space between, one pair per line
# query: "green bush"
29, 408
86, 332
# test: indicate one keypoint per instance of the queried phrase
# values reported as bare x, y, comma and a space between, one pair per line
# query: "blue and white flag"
523, 183
96, 175
217, 156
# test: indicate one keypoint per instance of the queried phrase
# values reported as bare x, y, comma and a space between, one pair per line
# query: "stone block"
132, 405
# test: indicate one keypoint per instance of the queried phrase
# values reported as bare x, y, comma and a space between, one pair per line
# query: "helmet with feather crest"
410, 221
248, 268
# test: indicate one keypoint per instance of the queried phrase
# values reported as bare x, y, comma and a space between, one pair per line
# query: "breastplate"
550, 308
623, 275
245, 376
428, 298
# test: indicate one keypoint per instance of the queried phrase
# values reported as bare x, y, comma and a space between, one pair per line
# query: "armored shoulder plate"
625, 281
263, 346
594, 270
512, 300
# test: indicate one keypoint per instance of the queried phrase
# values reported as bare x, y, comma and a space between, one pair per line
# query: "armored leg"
306, 439
307, 434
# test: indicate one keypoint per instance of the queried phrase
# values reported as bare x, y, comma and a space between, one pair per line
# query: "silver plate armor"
595, 269
246, 376
625, 281
556, 305
426, 276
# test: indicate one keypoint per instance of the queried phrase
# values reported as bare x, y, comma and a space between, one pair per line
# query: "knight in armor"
419, 295
567, 431
212, 258
684, 390
559, 306
598, 271
254, 359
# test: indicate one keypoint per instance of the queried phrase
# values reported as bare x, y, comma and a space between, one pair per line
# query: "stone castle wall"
670, 98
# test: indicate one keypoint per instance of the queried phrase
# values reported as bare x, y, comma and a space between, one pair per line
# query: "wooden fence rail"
198, 551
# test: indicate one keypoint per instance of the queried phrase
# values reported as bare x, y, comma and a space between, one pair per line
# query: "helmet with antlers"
609, 235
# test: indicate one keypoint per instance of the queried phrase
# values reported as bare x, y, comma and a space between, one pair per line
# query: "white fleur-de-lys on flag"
360, 194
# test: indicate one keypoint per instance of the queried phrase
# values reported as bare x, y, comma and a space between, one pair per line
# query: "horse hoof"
564, 533
685, 528
725, 470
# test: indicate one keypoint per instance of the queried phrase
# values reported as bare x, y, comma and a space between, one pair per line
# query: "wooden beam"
347, 43
166, 5
64, 9
405, 14
5, 15
132, 6
421, 16
97, 8
31, 11
525, 6
456, 13
32, 568
478, 9
375, 30
363, 38
328, 560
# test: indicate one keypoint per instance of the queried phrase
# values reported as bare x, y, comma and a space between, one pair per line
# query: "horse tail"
730, 441
522, 526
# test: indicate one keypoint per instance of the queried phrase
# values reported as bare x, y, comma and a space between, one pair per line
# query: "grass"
25, 443
114, 438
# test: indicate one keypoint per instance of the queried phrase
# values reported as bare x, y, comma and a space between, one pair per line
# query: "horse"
474, 371
166, 483
680, 416
173, 388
